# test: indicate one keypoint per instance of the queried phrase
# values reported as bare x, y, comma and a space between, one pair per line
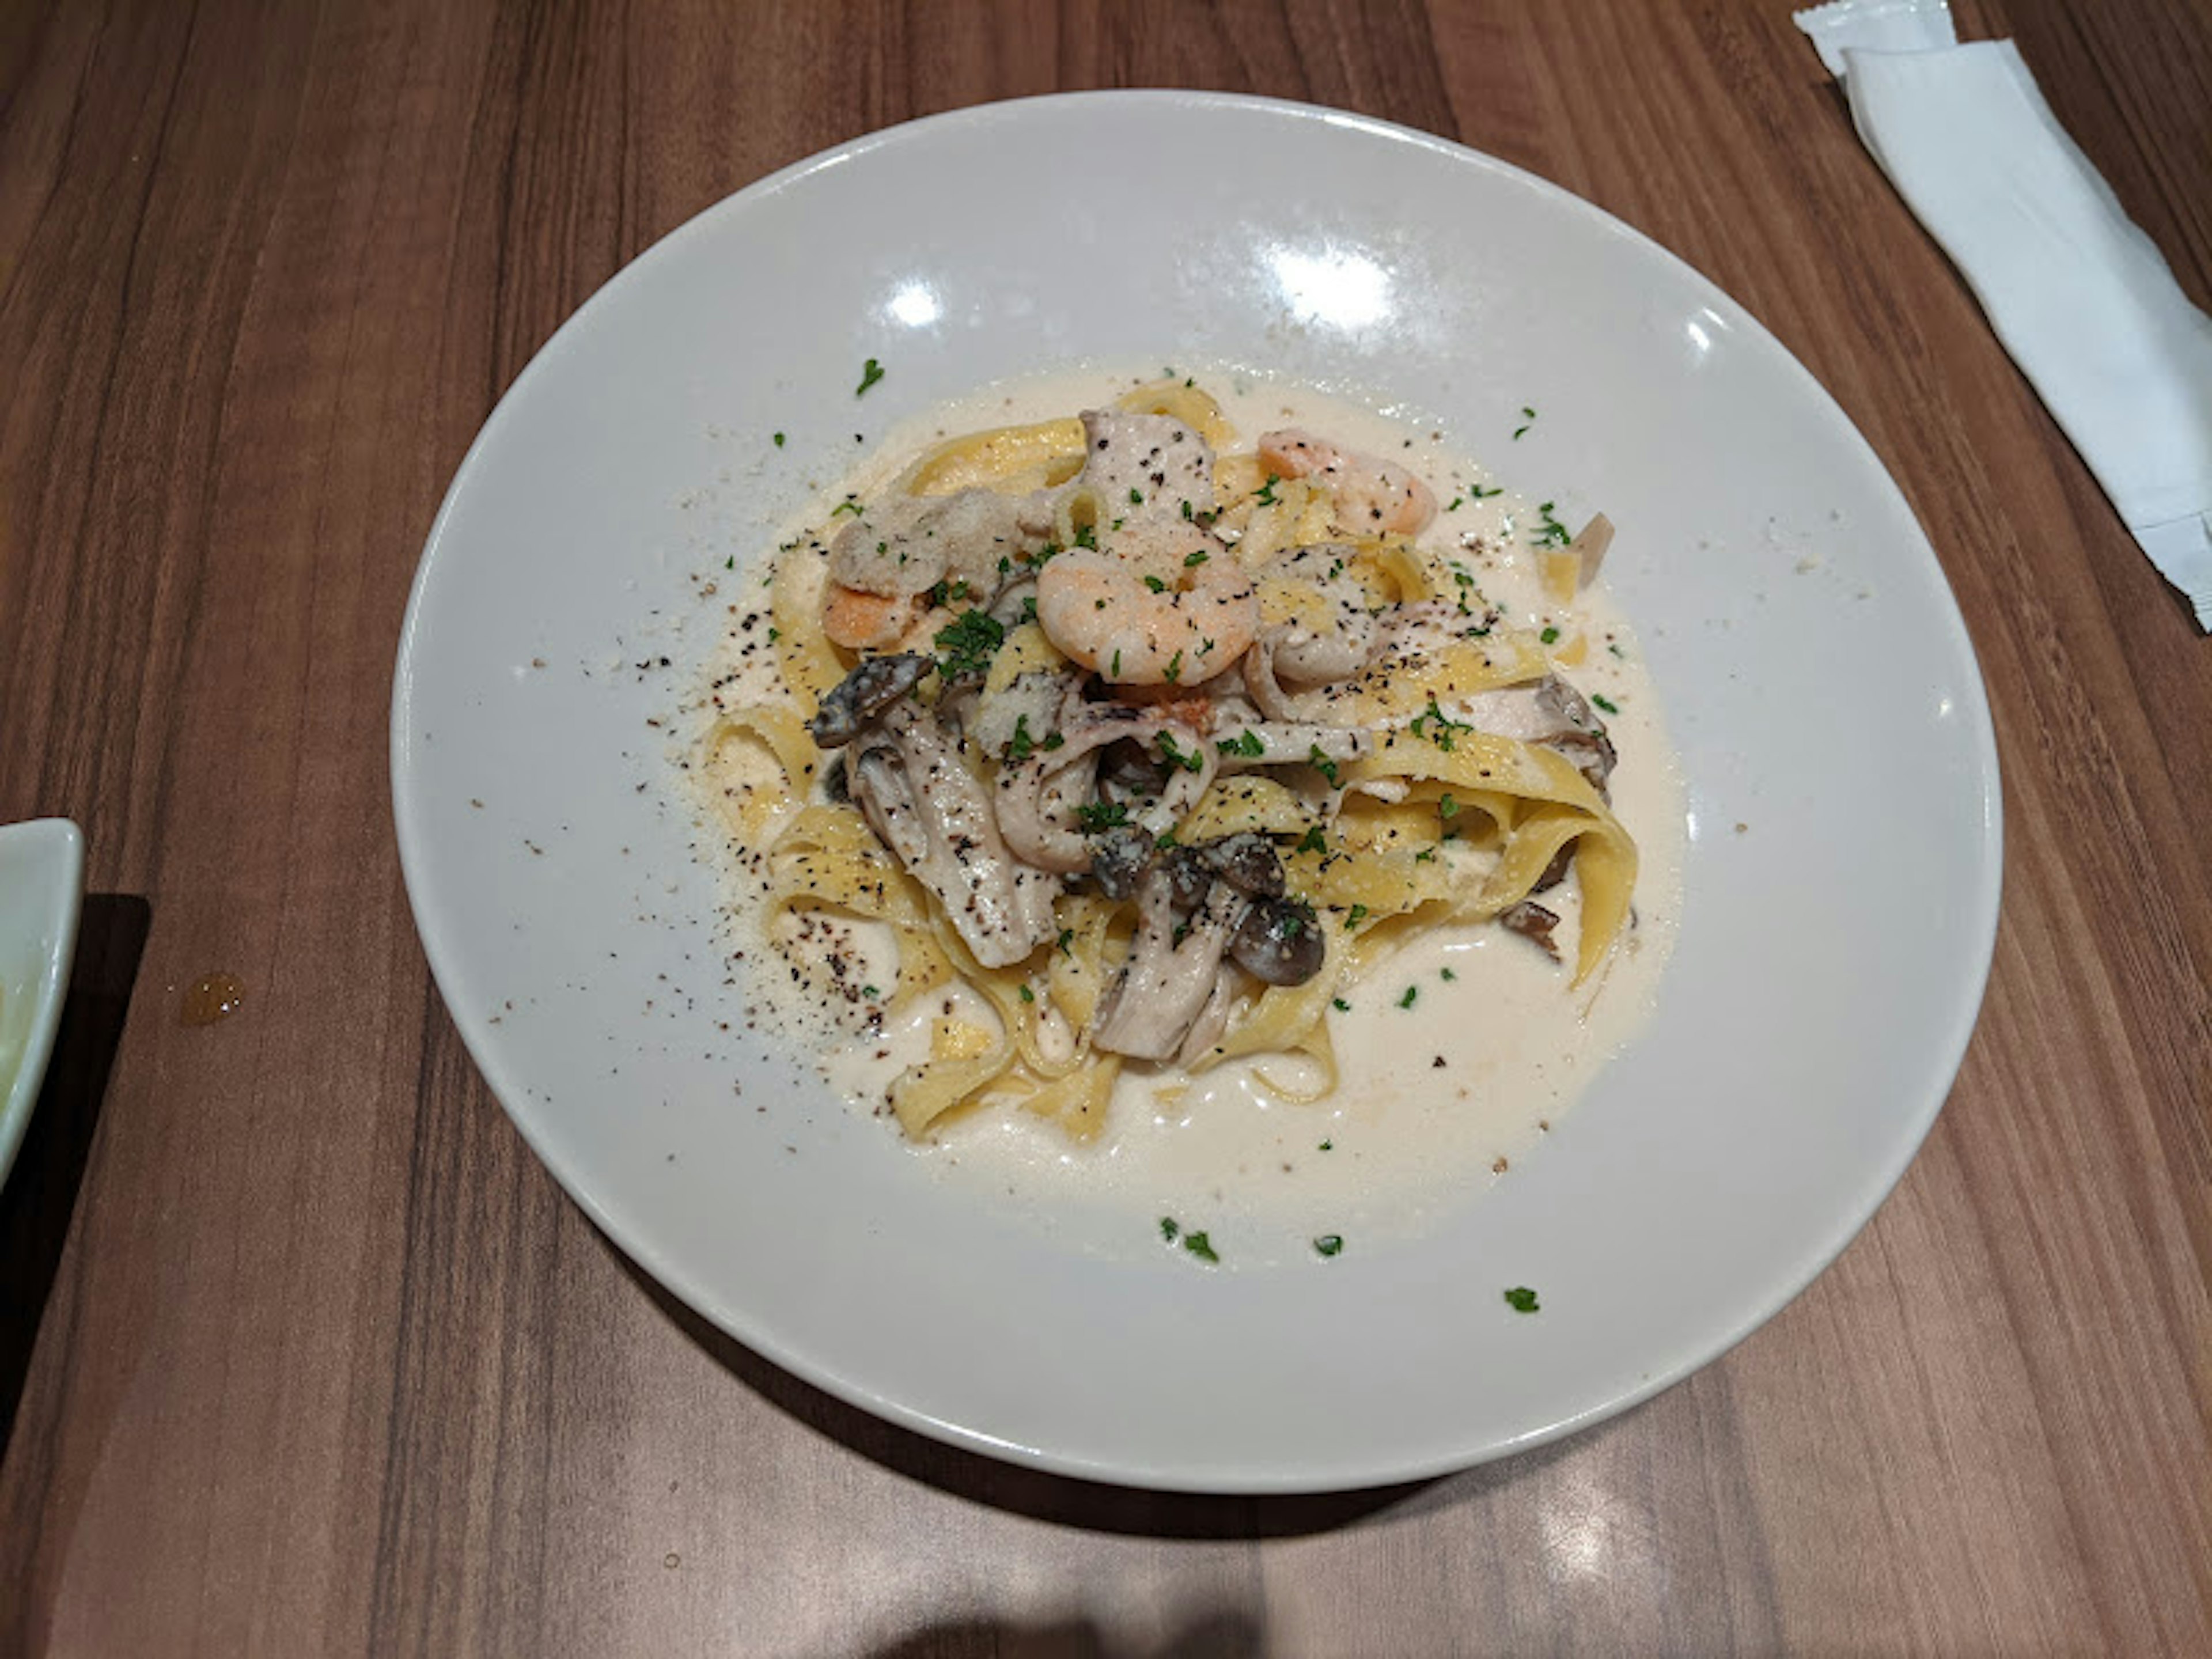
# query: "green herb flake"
1355, 915
1192, 561
870, 992
1174, 754
870, 372
1447, 807
1168, 1229
1522, 1300
968, 643
1266, 493
1051, 741
1477, 492
1329, 1244
1447, 974
1027, 994
1407, 1000
851, 504
1019, 750
1116, 670
1156, 585
1173, 675
1527, 420
1247, 744
1201, 1247
1313, 841
1323, 764
1329, 1146
1550, 636
1606, 703
1552, 533
779, 440
1102, 814
1136, 496
1066, 941
1341, 1007
774, 634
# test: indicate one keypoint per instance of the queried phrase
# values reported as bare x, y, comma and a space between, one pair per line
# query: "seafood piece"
1373, 496
1132, 626
891, 562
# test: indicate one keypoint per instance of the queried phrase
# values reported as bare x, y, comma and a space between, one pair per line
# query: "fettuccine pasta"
1142, 743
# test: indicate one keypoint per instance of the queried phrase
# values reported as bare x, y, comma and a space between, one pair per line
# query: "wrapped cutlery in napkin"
2080, 296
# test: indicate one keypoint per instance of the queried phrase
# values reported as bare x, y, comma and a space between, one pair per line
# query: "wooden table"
301, 1351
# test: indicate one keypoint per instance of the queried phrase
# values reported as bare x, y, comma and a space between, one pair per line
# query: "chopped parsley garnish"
1186, 510
1550, 636
1189, 759
1087, 536
870, 372
1173, 673
1355, 915
1448, 976
1156, 585
1051, 741
1329, 1244
940, 594
1606, 703
1027, 994
1136, 496
1168, 1229
1019, 750
1329, 1146
1426, 855
1447, 807
774, 634
1407, 1000
1102, 814
1247, 744
967, 642
1452, 506
779, 440
1313, 841
1065, 940
1341, 1007
1527, 420
1522, 1300
1477, 492
1437, 726
1266, 493
851, 504
1323, 764
1199, 1246
870, 992
1553, 534
1192, 561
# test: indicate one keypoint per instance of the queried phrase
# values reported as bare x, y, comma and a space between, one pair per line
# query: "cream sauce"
1437, 1098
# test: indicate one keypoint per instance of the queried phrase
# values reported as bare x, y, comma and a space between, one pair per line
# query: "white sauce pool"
1436, 1100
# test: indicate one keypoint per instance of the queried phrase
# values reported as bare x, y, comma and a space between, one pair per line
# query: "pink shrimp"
1373, 496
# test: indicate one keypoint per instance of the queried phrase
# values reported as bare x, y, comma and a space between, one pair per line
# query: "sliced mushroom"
1171, 970
1533, 922
1279, 942
1549, 712
929, 809
865, 693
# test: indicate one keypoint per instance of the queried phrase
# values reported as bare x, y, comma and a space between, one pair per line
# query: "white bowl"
1822, 690
41, 888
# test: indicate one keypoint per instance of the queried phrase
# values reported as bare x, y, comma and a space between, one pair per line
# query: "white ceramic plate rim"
42, 865
1319, 1469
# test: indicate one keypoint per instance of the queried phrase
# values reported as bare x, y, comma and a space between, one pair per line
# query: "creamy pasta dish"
1145, 742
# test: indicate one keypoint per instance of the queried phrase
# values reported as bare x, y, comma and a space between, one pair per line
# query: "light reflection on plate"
1709, 1174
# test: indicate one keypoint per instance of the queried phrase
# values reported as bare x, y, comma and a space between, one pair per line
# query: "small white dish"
1841, 883
41, 891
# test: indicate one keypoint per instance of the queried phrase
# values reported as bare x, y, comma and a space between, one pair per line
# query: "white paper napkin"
2081, 299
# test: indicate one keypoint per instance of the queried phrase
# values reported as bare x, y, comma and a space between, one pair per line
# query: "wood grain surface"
300, 1350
